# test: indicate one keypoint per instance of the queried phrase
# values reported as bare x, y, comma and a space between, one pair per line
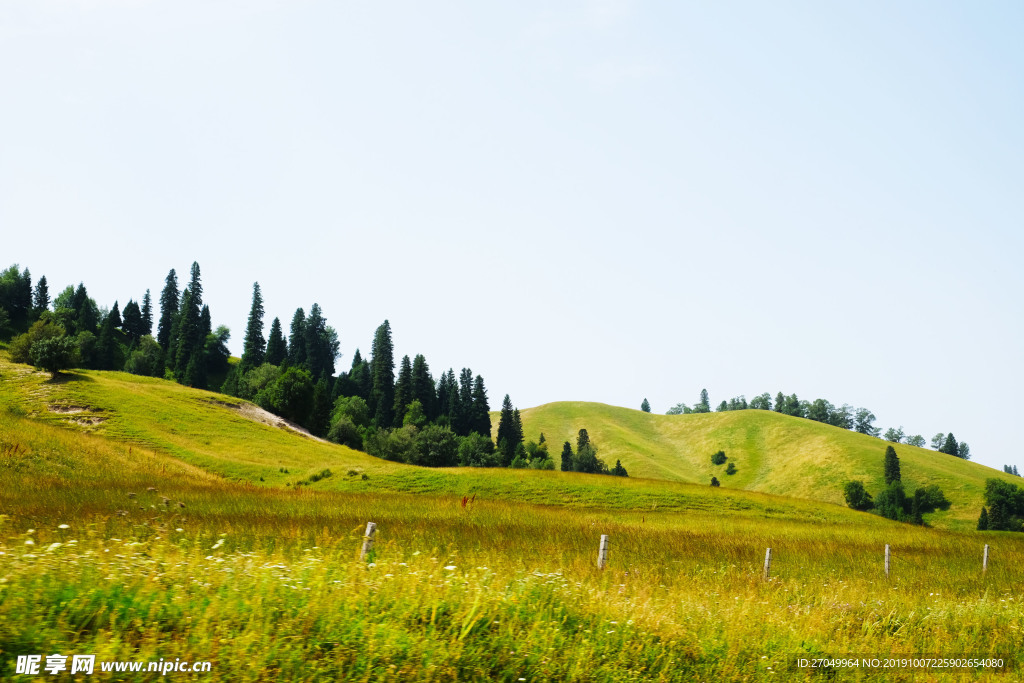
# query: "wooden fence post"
887, 560
602, 553
984, 560
767, 563
371, 529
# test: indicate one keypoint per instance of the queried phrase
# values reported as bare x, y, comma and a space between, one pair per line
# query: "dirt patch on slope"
257, 414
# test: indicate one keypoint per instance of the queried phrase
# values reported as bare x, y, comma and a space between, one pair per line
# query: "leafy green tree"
403, 390
842, 417
170, 303
277, 346
6, 329
857, 496
997, 519
937, 441
16, 297
645, 406
864, 423
714, 481
414, 415
344, 432
354, 408
983, 520
481, 414
382, 370
254, 346
436, 446
146, 358
722, 407
731, 468
761, 402
892, 502
567, 455
54, 354
916, 440
290, 396
893, 434
932, 498
718, 458
964, 451
892, 465
476, 450
20, 348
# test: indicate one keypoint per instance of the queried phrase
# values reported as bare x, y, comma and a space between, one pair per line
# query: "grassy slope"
202, 430
773, 453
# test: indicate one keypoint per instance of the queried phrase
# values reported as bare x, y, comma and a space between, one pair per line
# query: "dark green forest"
411, 418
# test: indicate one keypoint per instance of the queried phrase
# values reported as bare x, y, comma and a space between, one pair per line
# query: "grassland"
263, 578
773, 453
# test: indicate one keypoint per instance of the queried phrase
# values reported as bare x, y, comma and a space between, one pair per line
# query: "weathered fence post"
767, 563
887, 560
371, 529
602, 553
984, 560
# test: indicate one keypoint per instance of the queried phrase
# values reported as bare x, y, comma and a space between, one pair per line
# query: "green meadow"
142, 520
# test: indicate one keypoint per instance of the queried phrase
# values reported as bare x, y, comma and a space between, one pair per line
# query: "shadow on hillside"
64, 378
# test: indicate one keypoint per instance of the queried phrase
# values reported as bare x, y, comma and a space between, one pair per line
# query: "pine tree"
422, 388
950, 446
463, 423
780, 402
106, 346
115, 316
131, 319
41, 297
320, 415
996, 517
297, 339
567, 456
321, 344
170, 302
147, 314
582, 439
403, 390
892, 466
983, 520
277, 347
481, 414
645, 406
382, 371
517, 422
619, 470
193, 324
506, 431
254, 346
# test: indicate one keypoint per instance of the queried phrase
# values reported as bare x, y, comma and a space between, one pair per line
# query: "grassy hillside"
134, 526
773, 453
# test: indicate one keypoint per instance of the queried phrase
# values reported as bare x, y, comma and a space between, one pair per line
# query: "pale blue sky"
598, 201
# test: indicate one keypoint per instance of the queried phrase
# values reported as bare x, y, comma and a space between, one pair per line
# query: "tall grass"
267, 584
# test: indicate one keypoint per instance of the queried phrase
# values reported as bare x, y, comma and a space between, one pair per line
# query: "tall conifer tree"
41, 298
481, 418
507, 432
277, 347
892, 466
423, 387
147, 314
297, 339
403, 390
254, 346
382, 371
169, 304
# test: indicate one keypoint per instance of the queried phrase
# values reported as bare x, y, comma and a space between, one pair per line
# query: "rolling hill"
773, 453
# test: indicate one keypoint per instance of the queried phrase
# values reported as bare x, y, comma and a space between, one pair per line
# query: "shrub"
857, 497
718, 458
